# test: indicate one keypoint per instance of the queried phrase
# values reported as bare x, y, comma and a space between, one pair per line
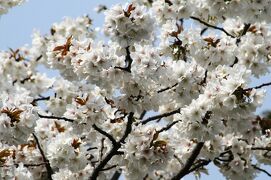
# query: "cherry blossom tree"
165, 96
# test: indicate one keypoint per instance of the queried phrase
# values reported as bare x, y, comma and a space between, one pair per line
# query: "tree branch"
212, 26
41, 99
168, 126
25, 165
116, 175
108, 168
258, 87
160, 116
38, 58
236, 60
204, 80
245, 29
260, 169
109, 136
167, 88
128, 129
199, 165
114, 151
261, 148
185, 170
142, 114
128, 61
45, 160
55, 117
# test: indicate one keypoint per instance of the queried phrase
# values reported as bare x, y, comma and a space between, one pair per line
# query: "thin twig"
168, 126
142, 114
45, 160
199, 165
245, 30
160, 116
260, 169
55, 117
261, 148
41, 99
128, 129
108, 168
236, 60
109, 136
91, 148
178, 159
212, 26
204, 80
258, 87
25, 165
167, 88
102, 148
128, 61
38, 58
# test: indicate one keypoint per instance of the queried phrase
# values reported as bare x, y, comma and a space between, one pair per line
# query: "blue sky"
17, 26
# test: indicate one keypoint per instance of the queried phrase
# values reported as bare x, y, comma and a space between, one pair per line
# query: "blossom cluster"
5, 5
165, 95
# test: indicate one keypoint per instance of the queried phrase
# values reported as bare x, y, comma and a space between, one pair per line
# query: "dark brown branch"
102, 148
212, 26
103, 163
185, 170
261, 148
167, 88
236, 60
108, 168
168, 2
204, 80
40, 99
245, 30
128, 129
25, 79
160, 116
123, 69
128, 61
199, 165
38, 58
25, 165
91, 148
55, 117
114, 151
203, 31
161, 130
262, 170
178, 159
168, 126
142, 114
116, 175
45, 160
109, 136
258, 87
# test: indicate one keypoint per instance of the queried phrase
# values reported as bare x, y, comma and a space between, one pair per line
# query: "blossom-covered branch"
151, 61
160, 116
115, 147
189, 162
55, 117
45, 160
258, 87
128, 61
211, 26
262, 170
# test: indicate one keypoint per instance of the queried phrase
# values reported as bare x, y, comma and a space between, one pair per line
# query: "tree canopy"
164, 96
